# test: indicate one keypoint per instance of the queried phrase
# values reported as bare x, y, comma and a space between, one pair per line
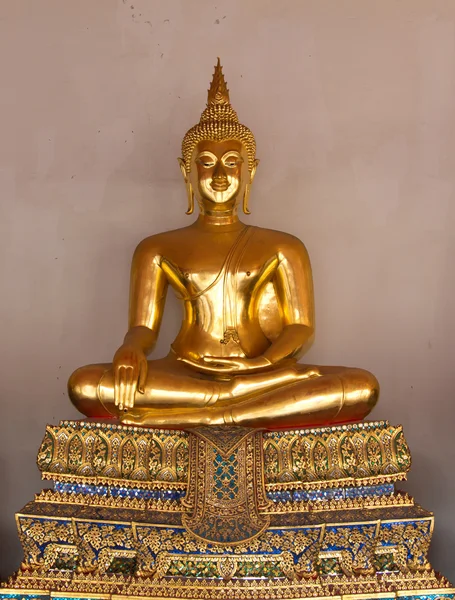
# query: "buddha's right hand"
130, 373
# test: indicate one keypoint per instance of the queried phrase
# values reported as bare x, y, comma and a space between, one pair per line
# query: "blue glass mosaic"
118, 492
429, 596
364, 491
281, 496
21, 595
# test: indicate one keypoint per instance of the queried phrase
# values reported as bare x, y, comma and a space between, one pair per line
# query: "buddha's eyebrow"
230, 152
206, 153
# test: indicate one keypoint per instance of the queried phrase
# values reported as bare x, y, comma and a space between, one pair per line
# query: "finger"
130, 387
118, 401
190, 362
116, 387
197, 365
217, 361
216, 368
209, 359
122, 380
206, 367
143, 368
221, 364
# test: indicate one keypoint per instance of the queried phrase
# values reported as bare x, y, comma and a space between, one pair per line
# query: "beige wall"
352, 106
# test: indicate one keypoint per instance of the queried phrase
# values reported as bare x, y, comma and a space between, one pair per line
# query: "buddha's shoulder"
279, 240
160, 242
166, 242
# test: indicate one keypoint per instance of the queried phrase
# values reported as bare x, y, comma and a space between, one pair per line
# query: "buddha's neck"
224, 220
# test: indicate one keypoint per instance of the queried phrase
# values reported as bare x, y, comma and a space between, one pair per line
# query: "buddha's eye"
206, 161
232, 160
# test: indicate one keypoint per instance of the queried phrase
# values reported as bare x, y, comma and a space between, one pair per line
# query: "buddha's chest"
231, 269
213, 278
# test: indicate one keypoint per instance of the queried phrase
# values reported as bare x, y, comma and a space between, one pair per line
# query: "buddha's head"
218, 155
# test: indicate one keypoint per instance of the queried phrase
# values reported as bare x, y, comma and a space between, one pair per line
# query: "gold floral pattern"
226, 490
81, 544
103, 453
358, 454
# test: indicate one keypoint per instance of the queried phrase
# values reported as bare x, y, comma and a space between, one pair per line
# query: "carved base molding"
224, 513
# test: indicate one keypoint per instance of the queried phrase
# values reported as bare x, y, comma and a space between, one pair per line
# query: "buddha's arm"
293, 284
291, 343
147, 297
148, 287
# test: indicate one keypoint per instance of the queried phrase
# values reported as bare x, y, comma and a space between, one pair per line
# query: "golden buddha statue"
248, 310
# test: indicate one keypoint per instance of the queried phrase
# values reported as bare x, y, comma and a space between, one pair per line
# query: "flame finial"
218, 92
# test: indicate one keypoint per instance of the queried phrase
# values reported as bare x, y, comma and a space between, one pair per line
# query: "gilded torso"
227, 284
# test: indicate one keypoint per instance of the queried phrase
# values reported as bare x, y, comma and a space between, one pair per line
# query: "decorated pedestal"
224, 513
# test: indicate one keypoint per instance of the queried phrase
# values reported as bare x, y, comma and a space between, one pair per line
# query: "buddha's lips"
219, 185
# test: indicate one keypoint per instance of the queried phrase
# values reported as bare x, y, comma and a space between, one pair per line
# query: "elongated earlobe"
189, 187
190, 194
246, 198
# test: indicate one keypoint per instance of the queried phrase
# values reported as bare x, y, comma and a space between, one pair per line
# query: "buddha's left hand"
232, 364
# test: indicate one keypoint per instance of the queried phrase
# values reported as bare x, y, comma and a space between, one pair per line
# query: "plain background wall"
351, 103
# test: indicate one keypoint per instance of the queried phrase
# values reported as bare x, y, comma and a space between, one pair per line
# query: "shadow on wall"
11, 559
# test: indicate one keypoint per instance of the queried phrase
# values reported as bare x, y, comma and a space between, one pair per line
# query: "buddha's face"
219, 174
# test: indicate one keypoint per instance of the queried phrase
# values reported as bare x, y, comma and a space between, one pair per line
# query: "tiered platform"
224, 513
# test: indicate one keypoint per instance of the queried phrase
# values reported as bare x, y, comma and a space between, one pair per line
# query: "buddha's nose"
219, 181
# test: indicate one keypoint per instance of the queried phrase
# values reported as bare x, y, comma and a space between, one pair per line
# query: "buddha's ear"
189, 187
253, 170
183, 169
